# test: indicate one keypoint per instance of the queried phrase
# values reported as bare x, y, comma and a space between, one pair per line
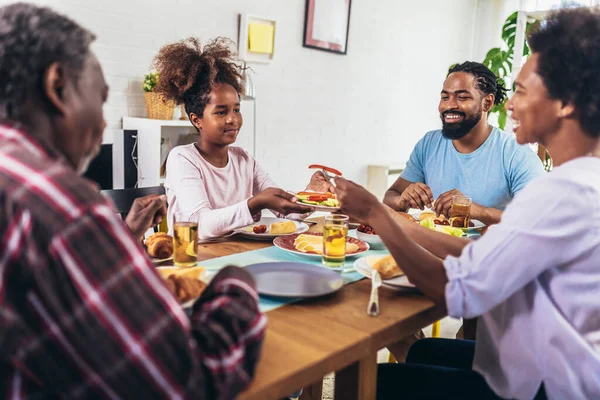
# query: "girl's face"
222, 119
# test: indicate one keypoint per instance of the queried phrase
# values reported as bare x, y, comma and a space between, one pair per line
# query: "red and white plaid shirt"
83, 314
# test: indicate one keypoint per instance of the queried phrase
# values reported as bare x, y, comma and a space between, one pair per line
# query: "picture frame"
327, 25
257, 38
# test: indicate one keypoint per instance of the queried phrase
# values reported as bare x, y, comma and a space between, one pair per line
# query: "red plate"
287, 243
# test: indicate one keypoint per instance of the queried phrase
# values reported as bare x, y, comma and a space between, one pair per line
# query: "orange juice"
184, 234
460, 211
335, 233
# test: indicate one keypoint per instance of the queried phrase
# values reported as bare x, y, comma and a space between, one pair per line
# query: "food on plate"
441, 220
427, 214
282, 228
314, 244
459, 222
160, 245
407, 216
326, 199
366, 229
184, 283
325, 168
387, 267
259, 229
429, 223
187, 272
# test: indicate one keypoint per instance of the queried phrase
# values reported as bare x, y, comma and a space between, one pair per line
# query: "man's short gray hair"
31, 39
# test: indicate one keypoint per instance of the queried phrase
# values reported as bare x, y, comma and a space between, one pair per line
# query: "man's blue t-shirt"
491, 175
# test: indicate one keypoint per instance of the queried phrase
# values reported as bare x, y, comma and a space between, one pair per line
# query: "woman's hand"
277, 200
355, 200
318, 183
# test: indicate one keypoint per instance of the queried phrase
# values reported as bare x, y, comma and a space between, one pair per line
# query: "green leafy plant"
150, 81
500, 59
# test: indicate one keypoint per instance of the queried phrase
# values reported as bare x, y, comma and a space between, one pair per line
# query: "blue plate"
292, 279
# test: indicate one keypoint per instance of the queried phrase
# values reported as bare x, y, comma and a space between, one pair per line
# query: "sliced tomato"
328, 169
317, 198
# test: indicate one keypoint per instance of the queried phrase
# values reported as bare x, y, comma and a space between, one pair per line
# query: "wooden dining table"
308, 339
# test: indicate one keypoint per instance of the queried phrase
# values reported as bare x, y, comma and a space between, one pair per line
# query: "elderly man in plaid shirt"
83, 314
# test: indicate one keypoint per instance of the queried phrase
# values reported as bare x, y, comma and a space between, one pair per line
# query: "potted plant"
500, 61
156, 105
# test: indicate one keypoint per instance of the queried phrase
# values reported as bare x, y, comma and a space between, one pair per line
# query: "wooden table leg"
357, 381
313, 392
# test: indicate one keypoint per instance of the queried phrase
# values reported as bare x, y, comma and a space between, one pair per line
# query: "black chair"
124, 198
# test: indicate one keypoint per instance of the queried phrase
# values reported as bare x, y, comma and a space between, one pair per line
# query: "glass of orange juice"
335, 233
460, 211
185, 239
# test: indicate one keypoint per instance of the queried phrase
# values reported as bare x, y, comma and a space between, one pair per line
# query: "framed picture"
326, 25
256, 38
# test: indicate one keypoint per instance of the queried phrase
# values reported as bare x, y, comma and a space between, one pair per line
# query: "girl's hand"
277, 200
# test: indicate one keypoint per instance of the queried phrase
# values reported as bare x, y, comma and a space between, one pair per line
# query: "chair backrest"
124, 198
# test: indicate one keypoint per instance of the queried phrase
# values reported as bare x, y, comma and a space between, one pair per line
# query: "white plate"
246, 231
158, 261
478, 224
363, 267
321, 208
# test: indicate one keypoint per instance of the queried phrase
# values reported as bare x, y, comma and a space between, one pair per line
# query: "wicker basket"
157, 108
183, 115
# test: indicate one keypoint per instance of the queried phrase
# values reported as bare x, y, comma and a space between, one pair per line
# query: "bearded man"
467, 156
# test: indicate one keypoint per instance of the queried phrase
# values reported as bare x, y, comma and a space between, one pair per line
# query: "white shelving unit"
151, 132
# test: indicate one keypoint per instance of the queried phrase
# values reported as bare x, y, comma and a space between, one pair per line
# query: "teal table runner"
272, 254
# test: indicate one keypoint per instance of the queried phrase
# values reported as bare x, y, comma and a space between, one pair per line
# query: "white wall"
368, 107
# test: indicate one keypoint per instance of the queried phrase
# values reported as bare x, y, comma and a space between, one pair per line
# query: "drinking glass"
335, 233
185, 243
460, 211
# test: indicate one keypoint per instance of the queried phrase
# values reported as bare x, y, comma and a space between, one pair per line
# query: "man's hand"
355, 200
416, 195
443, 204
318, 183
145, 213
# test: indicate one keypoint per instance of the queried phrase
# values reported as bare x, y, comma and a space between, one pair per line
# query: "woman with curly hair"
212, 182
533, 279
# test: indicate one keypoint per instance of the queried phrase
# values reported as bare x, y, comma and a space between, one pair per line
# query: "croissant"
160, 245
185, 288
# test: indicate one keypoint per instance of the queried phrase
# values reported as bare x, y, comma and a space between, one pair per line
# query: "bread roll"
427, 214
387, 268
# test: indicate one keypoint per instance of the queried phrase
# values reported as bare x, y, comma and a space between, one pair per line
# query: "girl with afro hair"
212, 182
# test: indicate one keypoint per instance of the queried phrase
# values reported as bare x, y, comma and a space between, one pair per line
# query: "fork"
328, 177
373, 308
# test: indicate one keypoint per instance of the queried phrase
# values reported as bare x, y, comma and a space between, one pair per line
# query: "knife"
373, 308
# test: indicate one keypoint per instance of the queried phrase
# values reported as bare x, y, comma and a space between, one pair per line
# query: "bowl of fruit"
367, 234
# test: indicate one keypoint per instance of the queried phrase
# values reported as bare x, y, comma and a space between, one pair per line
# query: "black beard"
454, 131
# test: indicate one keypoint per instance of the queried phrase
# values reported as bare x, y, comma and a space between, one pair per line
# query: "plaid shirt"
83, 314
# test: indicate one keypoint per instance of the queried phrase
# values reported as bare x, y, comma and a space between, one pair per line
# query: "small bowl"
374, 240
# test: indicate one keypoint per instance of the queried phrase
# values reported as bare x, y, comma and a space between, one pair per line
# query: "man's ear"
54, 87
488, 102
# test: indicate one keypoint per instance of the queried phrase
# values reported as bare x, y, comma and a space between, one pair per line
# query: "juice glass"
460, 211
185, 239
335, 233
